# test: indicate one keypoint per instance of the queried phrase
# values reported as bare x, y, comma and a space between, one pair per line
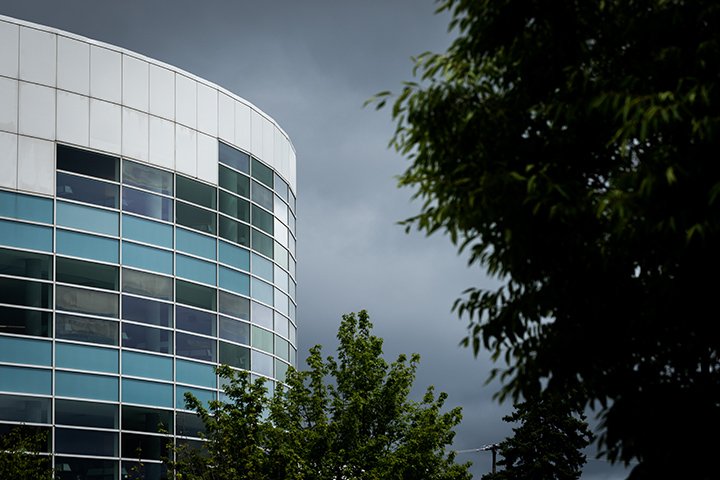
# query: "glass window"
87, 246
144, 446
234, 158
147, 284
146, 365
280, 210
77, 357
195, 243
84, 329
235, 281
25, 264
88, 163
87, 218
262, 291
262, 339
195, 217
145, 470
262, 315
86, 414
234, 206
87, 273
195, 373
281, 278
281, 369
22, 235
143, 419
147, 231
262, 172
281, 325
262, 196
86, 442
23, 350
262, 243
20, 321
192, 346
205, 396
261, 363
25, 380
234, 256
196, 295
235, 331
147, 177
195, 320
24, 292
147, 258
17, 408
233, 181
262, 267
148, 393
281, 302
147, 204
190, 425
84, 385
281, 256
195, 269
26, 207
281, 188
145, 338
282, 348
195, 192
234, 231
147, 311
233, 305
87, 190
292, 204
262, 219
87, 468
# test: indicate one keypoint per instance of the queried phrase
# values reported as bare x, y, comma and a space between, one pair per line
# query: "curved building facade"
147, 234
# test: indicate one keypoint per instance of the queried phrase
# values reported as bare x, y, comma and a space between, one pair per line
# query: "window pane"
234, 158
86, 301
25, 322
146, 365
87, 218
77, 357
235, 281
233, 181
195, 373
280, 210
262, 267
195, 243
195, 217
262, 291
87, 274
147, 204
234, 231
86, 414
262, 219
234, 206
143, 419
262, 243
281, 256
195, 320
281, 302
84, 385
281, 369
262, 172
25, 380
196, 295
235, 355
86, 442
87, 246
147, 393
195, 269
87, 190
147, 231
147, 177
147, 258
147, 284
195, 192
262, 339
262, 315
24, 292
190, 425
234, 256
281, 188
262, 196
82, 329
25, 264
205, 396
200, 348
235, 306
261, 363
16, 408
87, 468
26, 207
281, 325
281, 348
145, 338
147, 311
235, 331
23, 350
145, 470
22, 235
144, 446
87, 163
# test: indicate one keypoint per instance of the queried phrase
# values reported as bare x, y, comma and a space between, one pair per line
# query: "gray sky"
311, 64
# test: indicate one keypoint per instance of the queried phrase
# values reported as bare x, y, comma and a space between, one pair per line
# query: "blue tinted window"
262, 267
235, 331
21, 350
23, 235
234, 158
87, 218
195, 373
147, 204
147, 393
147, 258
27, 380
195, 320
147, 311
87, 246
144, 365
83, 385
195, 243
146, 338
192, 346
234, 281
87, 190
205, 396
194, 269
234, 256
26, 207
147, 231
83, 357
17, 408
262, 291
147, 177
261, 363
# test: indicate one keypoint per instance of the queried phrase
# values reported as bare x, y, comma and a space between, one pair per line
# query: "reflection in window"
234, 206
262, 219
195, 321
145, 338
25, 264
86, 414
262, 243
88, 163
281, 188
233, 305
87, 273
195, 217
235, 331
18, 408
149, 447
233, 181
235, 355
147, 284
86, 468
262, 315
84, 329
196, 295
195, 192
147, 177
147, 204
147, 311
234, 231
87, 190
26, 293
86, 301
190, 425
145, 470
234, 158
262, 172
262, 196
261, 363
191, 346
86, 442
144, 419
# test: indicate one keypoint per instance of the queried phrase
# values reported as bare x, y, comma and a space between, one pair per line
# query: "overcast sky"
311, 65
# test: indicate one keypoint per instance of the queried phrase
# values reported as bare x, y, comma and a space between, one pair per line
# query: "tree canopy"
571, 148
346, 418
20, 454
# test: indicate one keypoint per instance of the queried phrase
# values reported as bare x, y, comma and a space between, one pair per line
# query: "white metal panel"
37, 56
162, 92
8, 160
226, 118
162, 142
36, 165
207, 109
278, 150
73, 67
8, 104
73, 118
256, 139
135, 83
207, 158
185, 101
284, 168
134, 134
105, 126
292, 171
105, 74
9, 39
37, 111
186, 150
243, 128
268, 142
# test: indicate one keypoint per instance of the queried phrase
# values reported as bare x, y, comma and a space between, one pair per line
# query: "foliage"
20, 457
547, 444
343, 418
572, 149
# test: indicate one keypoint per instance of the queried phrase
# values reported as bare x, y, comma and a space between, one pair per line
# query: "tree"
548, 443
343, 418
20, 455
571, 148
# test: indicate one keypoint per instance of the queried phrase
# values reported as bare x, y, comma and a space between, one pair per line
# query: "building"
147, 233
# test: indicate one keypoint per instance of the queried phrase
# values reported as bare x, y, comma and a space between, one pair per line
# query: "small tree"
20, 455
